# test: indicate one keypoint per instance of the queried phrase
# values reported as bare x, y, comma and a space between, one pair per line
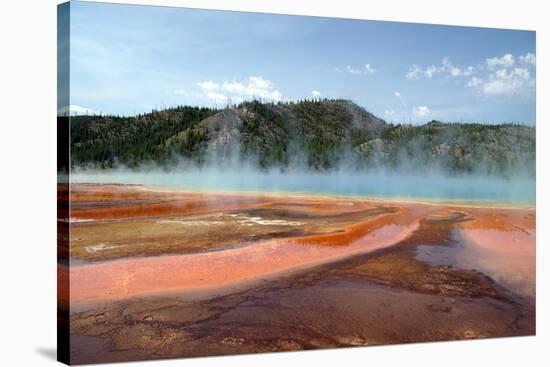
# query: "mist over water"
376, 183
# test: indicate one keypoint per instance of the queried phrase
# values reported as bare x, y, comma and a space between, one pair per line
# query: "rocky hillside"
319, 135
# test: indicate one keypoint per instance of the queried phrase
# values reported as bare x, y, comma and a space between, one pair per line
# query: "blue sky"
128, 59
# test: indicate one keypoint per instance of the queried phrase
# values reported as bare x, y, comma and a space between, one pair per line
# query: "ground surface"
159, 274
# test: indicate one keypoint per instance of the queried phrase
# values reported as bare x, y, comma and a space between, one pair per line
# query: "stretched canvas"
235, 182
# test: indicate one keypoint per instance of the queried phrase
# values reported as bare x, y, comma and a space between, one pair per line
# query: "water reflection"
506, 256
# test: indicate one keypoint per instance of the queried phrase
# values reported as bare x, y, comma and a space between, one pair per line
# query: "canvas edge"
63, 182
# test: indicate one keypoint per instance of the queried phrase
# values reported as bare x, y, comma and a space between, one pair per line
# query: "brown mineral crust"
295, 272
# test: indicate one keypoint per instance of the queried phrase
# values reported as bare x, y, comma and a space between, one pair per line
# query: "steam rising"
225, 168
435, 186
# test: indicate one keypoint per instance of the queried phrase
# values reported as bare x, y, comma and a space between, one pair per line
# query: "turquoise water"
434, 187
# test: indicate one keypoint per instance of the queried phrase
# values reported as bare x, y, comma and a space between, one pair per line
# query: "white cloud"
415, 71
75, 110
504, 78
474, 82
389, 113
352, 70
217, 97
528, 59
506, 61
209, 85
421, 111
468, 71
315, 94
455, 71
496, 87
251, 87
259, 82
368, 69
502, 75
397, 94
431, 70
508, 82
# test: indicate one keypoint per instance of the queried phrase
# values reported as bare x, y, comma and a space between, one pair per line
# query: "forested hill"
319, 135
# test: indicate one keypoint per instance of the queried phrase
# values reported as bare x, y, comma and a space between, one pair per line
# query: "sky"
129, 59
